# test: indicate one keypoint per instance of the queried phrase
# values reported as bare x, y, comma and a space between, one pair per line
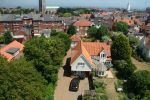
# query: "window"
80, 64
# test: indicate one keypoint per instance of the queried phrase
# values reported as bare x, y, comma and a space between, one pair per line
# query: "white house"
88, 56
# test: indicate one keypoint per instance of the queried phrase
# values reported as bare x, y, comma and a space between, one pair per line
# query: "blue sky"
139, 4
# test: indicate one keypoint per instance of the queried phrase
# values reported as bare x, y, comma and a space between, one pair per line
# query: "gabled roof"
75, 38
94, 48
78, 51
83, 23
11, 47
88, 49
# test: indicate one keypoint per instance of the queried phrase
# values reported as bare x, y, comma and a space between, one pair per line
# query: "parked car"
74, 84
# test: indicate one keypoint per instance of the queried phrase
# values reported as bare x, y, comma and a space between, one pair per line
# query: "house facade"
82, 26
89, 56
33, 23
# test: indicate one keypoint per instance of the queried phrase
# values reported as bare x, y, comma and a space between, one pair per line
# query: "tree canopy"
71, 30
139, 83
121, 54
8, 38
20, 81
121, 27
121, 48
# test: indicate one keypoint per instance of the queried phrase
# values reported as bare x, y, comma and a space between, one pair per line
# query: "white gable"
103, 56
75, 66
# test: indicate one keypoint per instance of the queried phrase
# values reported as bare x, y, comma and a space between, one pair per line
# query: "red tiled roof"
75, 38
13, 44
89, 49
128, 21
78, 50
83, 23
94, 48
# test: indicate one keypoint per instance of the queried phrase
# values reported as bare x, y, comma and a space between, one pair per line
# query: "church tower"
42, 6
129, 7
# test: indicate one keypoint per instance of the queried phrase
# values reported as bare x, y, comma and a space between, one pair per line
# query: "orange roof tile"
128, 21
13, 44
75, 38
94, 48
83, 23
78, 50
89, 49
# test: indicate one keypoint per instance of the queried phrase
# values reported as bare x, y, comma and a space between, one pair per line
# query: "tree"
121, 54
121, 49
20, 81
7, 37
134, 42
71, 30
125, 70
102, 31
121, 27
65, 38
139, 83
46, 54
92, 31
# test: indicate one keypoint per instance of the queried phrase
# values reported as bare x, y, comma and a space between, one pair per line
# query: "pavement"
62, 89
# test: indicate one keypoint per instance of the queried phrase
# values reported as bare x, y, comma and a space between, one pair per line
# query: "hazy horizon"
135, 4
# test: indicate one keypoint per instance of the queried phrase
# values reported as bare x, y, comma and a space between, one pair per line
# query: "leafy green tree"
71, 30
102, 31
65, 38
121, 27
46, 54
121, 54
1, 39
92, 31
134, 42
8, 38
125, 70
139, 83
20, 81
120, 49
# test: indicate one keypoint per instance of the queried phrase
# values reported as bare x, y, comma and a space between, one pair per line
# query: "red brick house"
82, 26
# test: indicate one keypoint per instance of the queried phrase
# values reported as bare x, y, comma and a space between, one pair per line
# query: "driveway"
62, 89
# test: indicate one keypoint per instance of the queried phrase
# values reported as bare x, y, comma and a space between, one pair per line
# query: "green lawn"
141, 65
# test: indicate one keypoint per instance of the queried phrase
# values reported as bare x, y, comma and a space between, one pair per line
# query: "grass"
141, 65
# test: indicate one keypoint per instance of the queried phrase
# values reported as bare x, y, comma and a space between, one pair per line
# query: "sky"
138, 4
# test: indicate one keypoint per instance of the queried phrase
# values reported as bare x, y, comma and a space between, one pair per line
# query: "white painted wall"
103, 59
76, 67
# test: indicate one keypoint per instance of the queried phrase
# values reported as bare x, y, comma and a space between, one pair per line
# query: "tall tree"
139, 83
7, 37
71, 30
121, 27
20, 81
121, 49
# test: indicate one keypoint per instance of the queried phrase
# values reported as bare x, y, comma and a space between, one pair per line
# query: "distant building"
42, 6
129, 7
